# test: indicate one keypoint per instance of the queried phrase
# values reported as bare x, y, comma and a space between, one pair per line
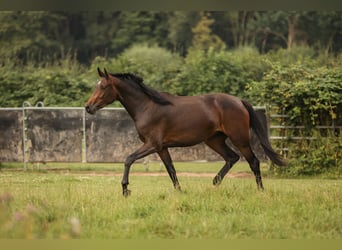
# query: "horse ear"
101, 74
106, 74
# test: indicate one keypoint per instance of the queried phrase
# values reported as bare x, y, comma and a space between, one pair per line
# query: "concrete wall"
56, 134
110, 136
11, 135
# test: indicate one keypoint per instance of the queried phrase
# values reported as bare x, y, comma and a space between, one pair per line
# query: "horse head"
104, 94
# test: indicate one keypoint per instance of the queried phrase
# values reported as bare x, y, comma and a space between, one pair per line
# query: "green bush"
64, 83
155, 64
322, 155
208, 71
303, 55
310, 96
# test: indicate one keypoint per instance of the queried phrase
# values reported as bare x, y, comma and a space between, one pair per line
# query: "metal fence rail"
281, 134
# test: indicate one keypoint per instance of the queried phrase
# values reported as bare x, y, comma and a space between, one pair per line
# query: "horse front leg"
166, 158
145, 150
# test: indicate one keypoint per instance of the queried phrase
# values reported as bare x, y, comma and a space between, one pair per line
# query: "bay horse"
163, 120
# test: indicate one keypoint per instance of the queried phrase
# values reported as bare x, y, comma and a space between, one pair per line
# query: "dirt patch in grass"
186, 174
64, 171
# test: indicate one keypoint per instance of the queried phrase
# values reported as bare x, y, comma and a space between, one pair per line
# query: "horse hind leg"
239, 135
253, 162
218, 143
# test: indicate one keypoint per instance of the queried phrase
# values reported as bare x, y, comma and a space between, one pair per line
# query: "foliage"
180, 24
202, 34
315, 155
46, 35
31, 36
138, 27
309, 92
67, 83
62, 84
275, 58
156, 65
309, 96
217, 71
322, 155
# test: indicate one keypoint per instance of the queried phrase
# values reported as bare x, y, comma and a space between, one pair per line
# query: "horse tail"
261, 133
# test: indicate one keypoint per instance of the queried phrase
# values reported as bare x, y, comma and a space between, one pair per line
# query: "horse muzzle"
91, 109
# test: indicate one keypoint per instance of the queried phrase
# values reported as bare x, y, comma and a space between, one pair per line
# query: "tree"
180, 24
203, 38
45, 36
277, 28
138, 27
32, 35
98, 29
234, 27
329, 24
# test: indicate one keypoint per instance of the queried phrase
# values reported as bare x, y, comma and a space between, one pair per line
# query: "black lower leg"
125, 190
233, 158
259, 181
220, 175
124, 182
173, 176
175, 181
166, 158
255, 166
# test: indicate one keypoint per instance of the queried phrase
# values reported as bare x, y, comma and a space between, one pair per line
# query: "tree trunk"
329, 43
292, 22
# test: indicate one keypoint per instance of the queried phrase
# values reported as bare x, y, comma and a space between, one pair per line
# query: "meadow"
87, 203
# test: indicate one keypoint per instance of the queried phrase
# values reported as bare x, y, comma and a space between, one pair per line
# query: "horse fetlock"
177, 187
260, 185
217, 180
126, 192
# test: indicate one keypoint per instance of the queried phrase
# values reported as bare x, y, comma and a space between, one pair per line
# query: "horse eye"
101, 85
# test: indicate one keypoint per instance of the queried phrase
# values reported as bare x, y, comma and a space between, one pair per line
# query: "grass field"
71, 203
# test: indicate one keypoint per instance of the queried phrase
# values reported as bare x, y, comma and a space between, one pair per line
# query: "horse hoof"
178, 188
126, 192
217, 181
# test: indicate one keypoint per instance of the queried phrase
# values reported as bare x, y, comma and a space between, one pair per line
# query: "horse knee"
129, 160
233, 159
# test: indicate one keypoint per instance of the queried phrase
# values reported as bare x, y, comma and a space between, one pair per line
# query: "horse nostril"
87, 108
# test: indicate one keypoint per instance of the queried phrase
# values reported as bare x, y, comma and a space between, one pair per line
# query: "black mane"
138, 82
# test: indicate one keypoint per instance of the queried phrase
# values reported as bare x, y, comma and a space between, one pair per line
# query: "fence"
40, 134
282, 134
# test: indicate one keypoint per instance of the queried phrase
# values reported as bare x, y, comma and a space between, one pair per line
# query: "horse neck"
133, 100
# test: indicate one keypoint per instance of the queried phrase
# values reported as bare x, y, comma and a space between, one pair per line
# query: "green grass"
40, 204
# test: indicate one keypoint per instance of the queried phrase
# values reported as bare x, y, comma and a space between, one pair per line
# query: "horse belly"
189, 129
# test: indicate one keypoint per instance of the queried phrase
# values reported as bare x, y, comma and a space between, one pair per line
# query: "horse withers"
164, 120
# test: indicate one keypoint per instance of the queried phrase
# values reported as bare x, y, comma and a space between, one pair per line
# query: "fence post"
84, 142
25, 105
